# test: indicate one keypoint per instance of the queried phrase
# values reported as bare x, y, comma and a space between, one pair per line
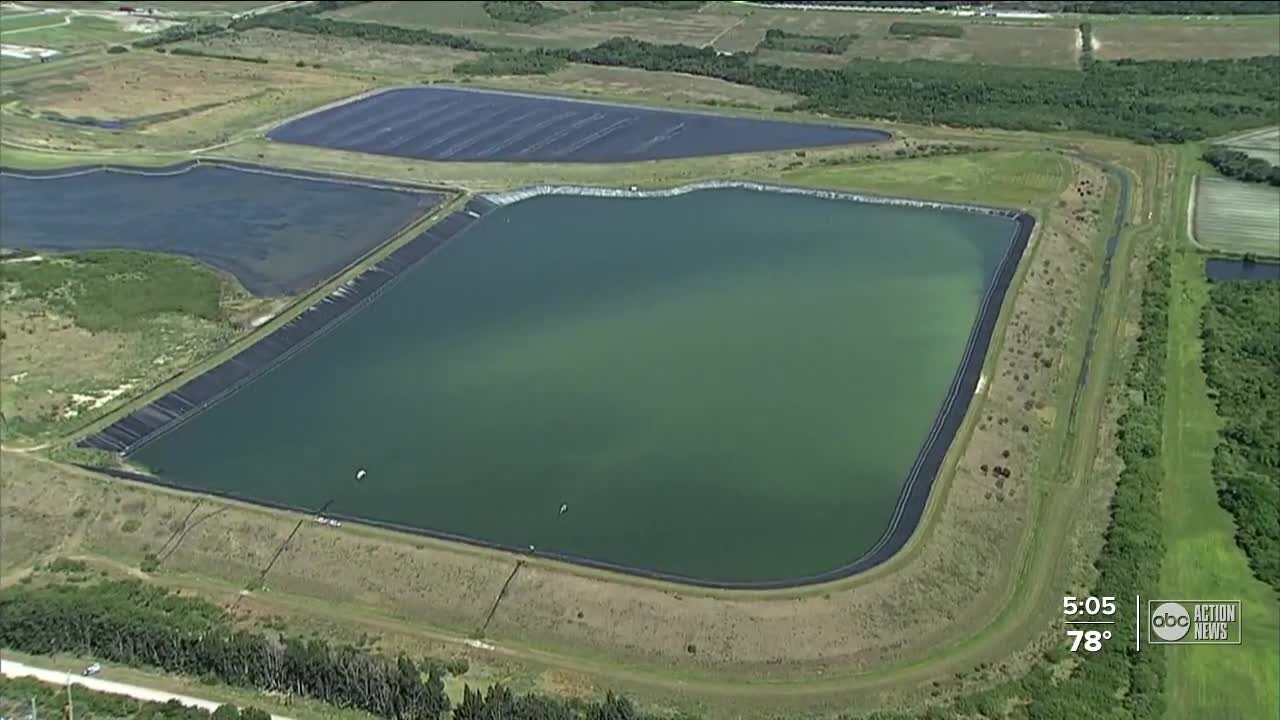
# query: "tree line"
526, 12
1154, 101
301, 21
922, 29
130, 623
1239, 165
775, 39
514, 62
1241, 332
134, 624
1150, 101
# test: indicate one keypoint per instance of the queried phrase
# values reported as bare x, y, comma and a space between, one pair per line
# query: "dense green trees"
1086, 45
607, 5
1239, 165
135, 624
514, 62
1148, 101
1242, 363
304, 22
920, 29
528, 12
775, 39
131, 623
1155, 101
192, 52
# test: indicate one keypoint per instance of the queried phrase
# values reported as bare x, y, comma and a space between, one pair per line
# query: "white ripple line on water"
513, 196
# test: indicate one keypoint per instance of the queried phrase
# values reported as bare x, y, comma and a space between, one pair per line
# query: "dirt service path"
9, 668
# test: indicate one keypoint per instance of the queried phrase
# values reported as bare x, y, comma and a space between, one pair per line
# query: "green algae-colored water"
728, 385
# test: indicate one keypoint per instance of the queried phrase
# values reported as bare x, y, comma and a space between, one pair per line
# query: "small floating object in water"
564, 508
360, 474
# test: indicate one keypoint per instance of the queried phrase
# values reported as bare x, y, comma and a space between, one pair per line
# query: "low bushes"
775, 39
919, 29
1238, 165
516, 62
191, 52
527, 12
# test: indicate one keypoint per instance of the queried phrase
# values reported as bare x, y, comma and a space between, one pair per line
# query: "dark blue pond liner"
1223, 269
132, 432
279, 232
165, 413
463, 125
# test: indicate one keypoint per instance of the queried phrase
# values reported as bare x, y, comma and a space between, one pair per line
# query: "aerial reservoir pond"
729, 385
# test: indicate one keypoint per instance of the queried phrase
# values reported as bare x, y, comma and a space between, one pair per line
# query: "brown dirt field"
214, 99
952, 576
1149, 41
391, 63
334, 53
666, 87
1152, 41
581, 29
1012, 44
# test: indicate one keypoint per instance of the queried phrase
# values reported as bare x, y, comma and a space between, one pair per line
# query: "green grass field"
79, 33
1235, 216
1202, 560
1021, 177
11, 22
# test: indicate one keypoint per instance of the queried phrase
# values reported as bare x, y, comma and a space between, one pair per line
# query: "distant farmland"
1237, 217
1264, 143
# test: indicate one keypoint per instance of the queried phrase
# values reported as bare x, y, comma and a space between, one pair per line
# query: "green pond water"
728, 385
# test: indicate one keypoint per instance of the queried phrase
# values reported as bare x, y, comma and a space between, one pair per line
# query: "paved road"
8, 668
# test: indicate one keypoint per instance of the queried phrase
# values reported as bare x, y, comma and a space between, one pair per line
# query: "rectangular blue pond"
454, 124
276, 232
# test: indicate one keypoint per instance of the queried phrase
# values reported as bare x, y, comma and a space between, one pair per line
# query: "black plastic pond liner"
130, 433
916, 488
456, 124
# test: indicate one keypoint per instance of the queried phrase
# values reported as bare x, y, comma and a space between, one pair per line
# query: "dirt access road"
8, 668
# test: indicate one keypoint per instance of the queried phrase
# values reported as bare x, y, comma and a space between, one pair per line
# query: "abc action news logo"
1191, 622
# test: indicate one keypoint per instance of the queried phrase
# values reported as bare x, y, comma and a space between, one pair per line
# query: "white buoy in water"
564, 508
360, 474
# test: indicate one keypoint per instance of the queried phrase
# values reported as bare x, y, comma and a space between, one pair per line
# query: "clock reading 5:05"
1072, 605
